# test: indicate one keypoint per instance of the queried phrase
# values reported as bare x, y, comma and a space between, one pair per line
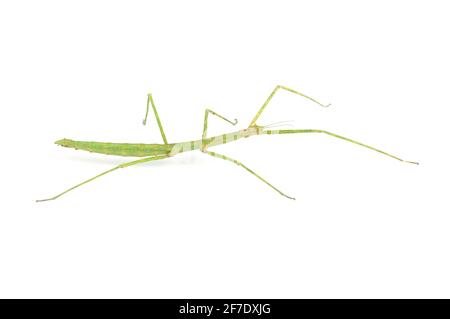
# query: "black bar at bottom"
227, 308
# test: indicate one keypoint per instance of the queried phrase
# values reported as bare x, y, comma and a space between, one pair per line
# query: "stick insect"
156, 152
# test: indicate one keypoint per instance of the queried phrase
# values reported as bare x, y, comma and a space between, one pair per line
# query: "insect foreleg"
246, 168
253, 123
147, 159
337, 136
150, 101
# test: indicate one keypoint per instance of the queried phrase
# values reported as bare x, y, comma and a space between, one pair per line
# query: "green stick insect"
155, 152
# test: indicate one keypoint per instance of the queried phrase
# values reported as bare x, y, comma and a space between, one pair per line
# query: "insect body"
153, 152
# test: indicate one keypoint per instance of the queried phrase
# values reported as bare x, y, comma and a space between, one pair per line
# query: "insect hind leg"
150, 101
123, 165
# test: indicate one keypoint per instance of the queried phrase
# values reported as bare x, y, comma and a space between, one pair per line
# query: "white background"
363, 225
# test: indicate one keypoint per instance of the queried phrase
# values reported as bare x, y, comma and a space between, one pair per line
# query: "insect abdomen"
120, 149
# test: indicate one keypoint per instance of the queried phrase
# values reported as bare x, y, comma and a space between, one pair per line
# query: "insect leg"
253, 123
246, 168
205, 124
147, 159
150, 101
337, 136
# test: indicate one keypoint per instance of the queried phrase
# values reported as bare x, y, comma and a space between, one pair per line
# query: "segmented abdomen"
120, 149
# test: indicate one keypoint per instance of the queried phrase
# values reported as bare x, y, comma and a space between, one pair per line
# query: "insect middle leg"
205, 124
278, 87
224, 157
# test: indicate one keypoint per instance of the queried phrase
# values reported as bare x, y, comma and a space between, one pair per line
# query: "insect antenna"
278, 124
